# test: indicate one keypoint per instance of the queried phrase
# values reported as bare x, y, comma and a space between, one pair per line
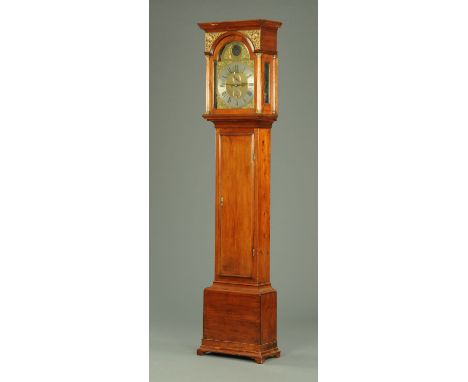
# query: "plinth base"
233, 348
240, 321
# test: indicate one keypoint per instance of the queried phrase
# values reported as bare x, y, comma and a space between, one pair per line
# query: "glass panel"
266, 83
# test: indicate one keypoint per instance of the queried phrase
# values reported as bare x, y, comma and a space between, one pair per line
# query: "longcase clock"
239, 308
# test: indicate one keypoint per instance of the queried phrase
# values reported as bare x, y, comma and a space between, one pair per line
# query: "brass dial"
236, 84
234, 77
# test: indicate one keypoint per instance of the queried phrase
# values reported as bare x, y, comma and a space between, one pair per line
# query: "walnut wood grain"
236, 203
239, 25
239, 324
239, 308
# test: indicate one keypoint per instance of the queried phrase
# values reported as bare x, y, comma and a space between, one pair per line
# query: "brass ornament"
252, 35
227, 53
210, 37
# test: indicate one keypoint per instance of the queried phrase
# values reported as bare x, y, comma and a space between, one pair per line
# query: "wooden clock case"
239, 309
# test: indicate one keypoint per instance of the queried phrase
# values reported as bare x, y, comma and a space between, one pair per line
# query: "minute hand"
242, 83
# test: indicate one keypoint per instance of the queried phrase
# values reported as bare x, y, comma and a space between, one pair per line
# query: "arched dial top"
234, 77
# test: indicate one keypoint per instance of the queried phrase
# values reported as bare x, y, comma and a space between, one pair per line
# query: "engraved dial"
235, 84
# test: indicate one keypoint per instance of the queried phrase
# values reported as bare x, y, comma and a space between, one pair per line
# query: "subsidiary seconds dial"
236, 84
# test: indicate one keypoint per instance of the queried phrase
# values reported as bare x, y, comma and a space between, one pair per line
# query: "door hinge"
253, 252
221, 200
